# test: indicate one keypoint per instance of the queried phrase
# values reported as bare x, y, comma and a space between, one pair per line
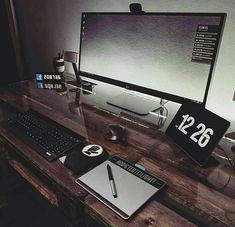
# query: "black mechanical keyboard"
47, 138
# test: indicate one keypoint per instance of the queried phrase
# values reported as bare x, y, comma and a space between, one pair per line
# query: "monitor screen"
169, 55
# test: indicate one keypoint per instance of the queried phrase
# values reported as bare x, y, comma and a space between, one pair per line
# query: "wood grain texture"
153, 214
35, 182
217, 176
3, 203
54, 171
194, 195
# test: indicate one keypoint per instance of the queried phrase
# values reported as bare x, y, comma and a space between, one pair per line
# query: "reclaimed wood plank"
3, 203
191, 197
35, 182
204, 194
54, 171
152, 214
220, 177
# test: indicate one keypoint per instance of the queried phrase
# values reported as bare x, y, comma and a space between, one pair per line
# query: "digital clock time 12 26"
197, 130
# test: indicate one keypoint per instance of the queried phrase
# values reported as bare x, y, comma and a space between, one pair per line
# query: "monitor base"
134, 103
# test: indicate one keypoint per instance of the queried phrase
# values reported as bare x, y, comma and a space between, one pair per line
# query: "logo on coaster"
92, 150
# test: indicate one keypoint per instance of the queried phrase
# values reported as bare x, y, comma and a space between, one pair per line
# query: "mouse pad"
82, 160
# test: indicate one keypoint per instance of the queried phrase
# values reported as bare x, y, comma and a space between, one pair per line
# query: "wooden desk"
194, 196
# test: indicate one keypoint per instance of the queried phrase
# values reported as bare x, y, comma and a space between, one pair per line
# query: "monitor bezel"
146, 90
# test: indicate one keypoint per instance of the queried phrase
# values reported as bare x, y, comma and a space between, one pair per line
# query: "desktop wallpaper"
153, 51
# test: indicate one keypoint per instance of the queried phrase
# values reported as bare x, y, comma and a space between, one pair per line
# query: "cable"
226, 158
162, 117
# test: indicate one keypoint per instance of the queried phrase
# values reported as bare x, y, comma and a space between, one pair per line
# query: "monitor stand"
75, 85
84, 85
134, 103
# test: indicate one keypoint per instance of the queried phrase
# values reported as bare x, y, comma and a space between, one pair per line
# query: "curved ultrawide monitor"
169, 55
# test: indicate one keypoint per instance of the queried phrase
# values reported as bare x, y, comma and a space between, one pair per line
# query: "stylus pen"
111, 181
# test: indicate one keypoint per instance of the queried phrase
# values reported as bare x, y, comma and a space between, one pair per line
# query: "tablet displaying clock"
197, 130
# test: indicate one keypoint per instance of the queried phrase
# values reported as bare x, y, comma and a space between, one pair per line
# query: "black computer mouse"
116, 133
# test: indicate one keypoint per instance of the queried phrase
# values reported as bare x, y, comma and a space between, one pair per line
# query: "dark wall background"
46, 27
7, 63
